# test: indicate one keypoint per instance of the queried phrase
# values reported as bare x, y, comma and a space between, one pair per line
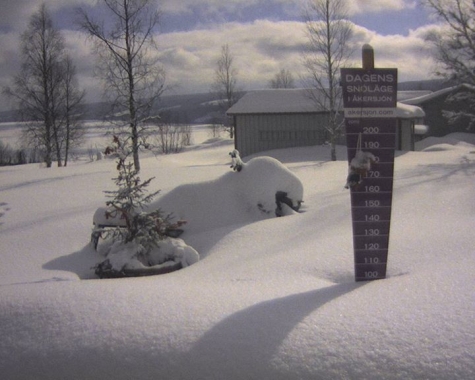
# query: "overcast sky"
263, 35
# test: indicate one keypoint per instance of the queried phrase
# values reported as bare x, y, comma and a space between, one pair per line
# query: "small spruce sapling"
128, 202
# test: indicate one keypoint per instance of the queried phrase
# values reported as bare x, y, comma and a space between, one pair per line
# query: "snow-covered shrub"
171, 249
264, 177
236, 162
215, 130
168, 255
172, 138
236, 197
94, 153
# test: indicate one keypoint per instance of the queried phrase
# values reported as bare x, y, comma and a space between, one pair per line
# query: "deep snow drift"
235, 197
269, 299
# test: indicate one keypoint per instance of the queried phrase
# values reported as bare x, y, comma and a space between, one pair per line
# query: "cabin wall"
405, 135
261, 132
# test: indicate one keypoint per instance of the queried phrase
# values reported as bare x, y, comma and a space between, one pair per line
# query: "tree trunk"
135, 148
333, 150
132, 104
68, 133
48, 147
57, 145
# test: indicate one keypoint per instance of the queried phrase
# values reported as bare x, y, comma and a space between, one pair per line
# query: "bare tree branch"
225, 81
133, 78
283, 79
455, 52
329, 32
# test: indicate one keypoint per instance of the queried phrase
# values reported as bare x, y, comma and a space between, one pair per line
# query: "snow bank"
451, 141
233, 198
176, 249
124, 256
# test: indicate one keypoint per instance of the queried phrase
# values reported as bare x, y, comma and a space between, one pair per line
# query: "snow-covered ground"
269, 299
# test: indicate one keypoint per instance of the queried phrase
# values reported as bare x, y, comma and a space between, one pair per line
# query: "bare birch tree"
329, 32
225, 80
36, 88
128, 61
46, 90
455, 53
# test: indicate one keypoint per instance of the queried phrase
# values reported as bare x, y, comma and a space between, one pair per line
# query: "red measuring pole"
370, 102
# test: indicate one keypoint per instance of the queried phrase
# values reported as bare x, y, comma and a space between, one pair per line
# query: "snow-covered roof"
275, 101
405, 95
280, 101
445, 91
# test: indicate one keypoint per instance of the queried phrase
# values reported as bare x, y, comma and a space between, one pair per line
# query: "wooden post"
368, 57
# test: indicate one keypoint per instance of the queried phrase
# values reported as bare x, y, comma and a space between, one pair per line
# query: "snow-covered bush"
172, 138
236, 197
262, 178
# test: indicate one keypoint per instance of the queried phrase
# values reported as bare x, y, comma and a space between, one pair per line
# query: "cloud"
261, 48
411, 54
15, 14
213, 6
291, 6
375, 6
80, 50
180, 57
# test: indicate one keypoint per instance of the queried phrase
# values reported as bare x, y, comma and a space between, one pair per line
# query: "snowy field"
270, 299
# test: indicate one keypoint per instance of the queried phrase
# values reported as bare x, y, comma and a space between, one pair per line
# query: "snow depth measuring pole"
370, 102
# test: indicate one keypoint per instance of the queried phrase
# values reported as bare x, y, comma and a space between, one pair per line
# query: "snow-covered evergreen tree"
128, 202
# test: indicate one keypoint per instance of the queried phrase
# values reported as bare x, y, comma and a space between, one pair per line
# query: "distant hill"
190, 108
203, 108
425, 85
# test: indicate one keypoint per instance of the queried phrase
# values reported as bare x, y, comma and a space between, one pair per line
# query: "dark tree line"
18, 156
